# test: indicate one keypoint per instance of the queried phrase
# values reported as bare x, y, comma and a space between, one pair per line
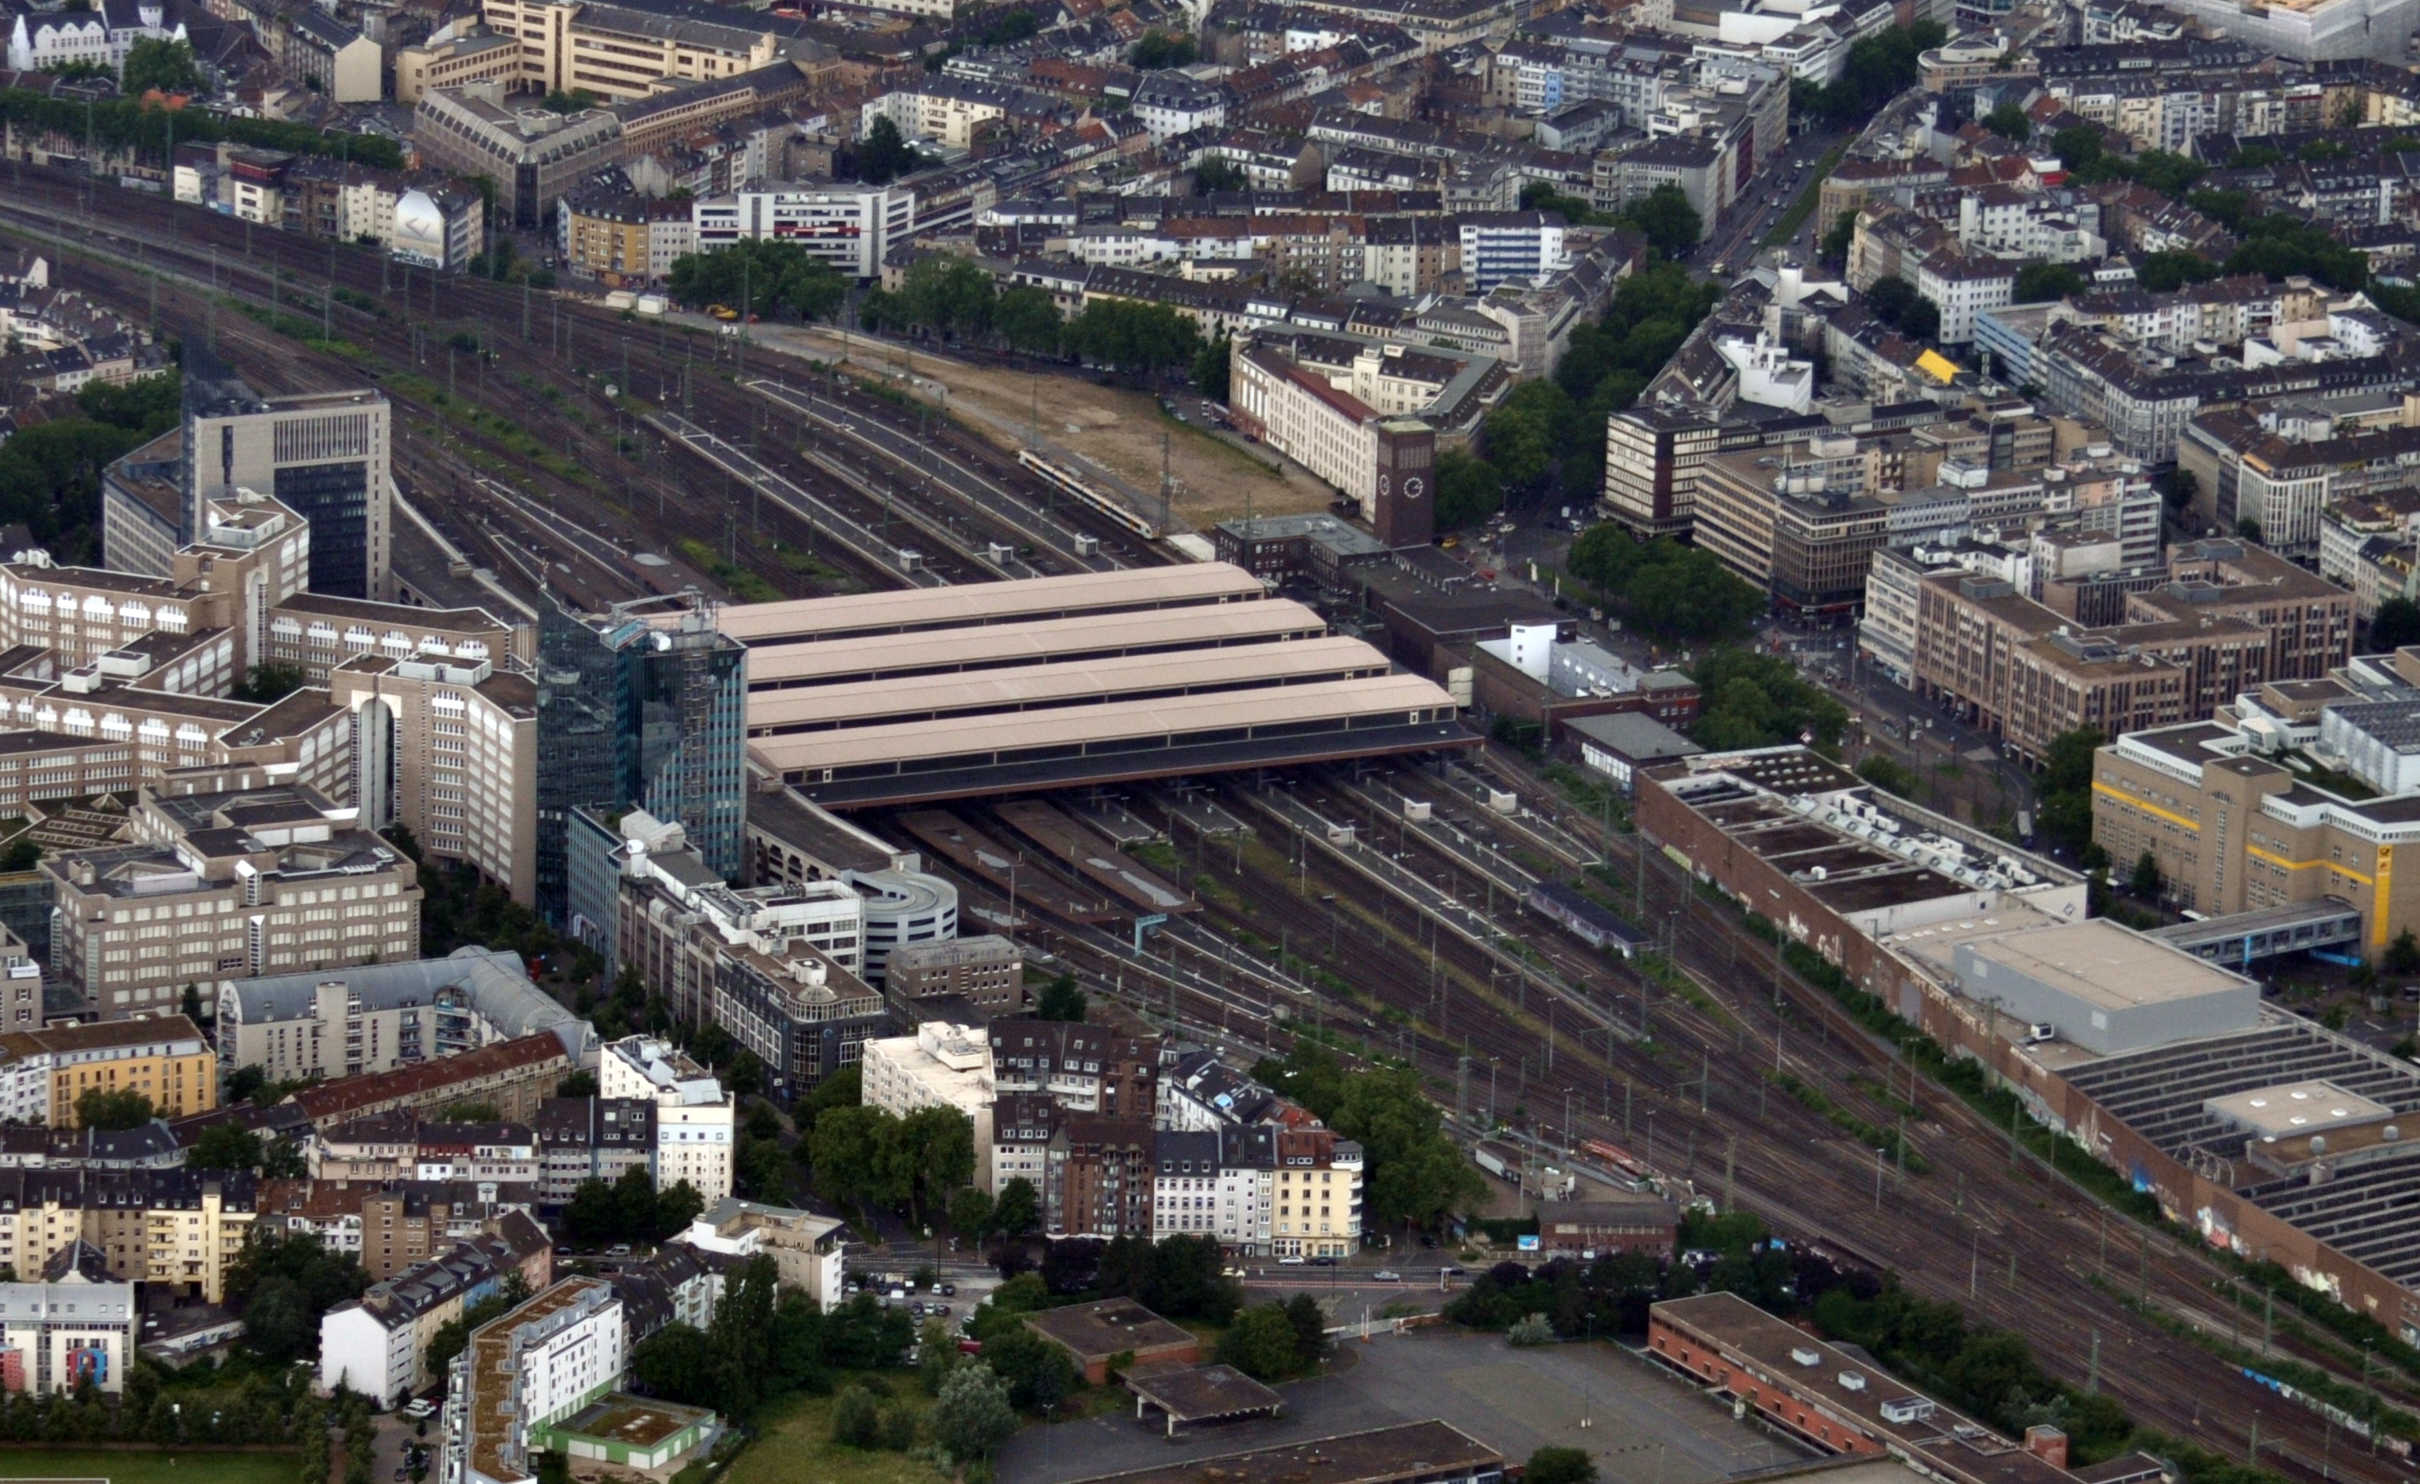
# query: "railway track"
543, 364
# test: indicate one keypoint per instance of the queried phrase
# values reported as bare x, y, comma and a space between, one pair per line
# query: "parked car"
1290, 1262
949, 1290
1386, 1275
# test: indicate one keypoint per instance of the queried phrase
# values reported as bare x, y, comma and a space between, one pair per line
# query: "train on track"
1067, 482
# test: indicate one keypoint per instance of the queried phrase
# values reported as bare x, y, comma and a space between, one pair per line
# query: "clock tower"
1403, 512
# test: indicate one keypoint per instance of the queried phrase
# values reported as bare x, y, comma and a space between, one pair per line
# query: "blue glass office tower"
644, 712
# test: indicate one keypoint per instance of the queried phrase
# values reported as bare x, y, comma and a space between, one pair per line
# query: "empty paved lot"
1646, 1428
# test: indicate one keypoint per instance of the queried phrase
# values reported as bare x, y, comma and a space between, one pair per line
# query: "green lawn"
163, 1466
794, 1445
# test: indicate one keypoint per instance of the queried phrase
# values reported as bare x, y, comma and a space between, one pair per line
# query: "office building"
448, 750
627, 51
940, 1066
458, 61
1384, 465
323, 455
534, 155
664, 912
987, 970
220, 885
375, 1017
164, 1057
806, 1248
849, 227
632, 713
804, 1016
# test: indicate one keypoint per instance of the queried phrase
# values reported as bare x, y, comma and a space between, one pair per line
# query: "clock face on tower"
1412, 488
1384, 482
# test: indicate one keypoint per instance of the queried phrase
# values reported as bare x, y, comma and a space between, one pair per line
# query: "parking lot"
1643, 1425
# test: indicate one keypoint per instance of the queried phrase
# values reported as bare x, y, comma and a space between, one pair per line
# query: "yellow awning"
1937, 366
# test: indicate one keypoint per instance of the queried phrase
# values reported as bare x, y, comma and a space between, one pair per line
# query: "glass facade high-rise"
638, 712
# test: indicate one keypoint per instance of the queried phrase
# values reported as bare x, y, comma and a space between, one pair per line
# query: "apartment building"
392, 1226
374, 1017
940, 1066
377, 1345
622, 238
513, 1076
1263, 1191
238, 883
1083, 1068
952, 111
695, 1120
21, 1001
75, 1327
178, 1228
805, 1248
533, 1367
332, 58
164, 1057
583, 1139
2145, 398
1097, 1177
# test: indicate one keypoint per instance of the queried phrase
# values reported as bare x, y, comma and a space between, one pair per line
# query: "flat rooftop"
1204, 1393
973, 604
1107, 1328
2310, 1106
1410, 1451
2102, 963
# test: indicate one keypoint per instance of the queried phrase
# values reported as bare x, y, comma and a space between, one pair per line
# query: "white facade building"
55, 1336
849, 227
941, 1066
695, 1120
538, 1364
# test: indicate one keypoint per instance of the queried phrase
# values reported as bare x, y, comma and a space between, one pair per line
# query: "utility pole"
2092, 1376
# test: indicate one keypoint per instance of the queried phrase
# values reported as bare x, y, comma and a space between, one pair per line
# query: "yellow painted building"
165, 1058
176, 1227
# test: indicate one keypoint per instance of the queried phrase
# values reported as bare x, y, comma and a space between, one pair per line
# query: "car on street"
1386, 1275
1290, 1262
949, 1290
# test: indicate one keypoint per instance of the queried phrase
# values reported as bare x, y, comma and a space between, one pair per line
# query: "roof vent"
1852, 1381
1804, 1356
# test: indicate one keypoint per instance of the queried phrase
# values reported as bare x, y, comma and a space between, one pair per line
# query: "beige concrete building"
533, 154
455, 63
515, 1076
328, 1023
618, 52
448, 750
315, 633
262, 880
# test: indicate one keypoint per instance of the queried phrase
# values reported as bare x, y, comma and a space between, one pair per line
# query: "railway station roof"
774, 665
969, 605
1025, 687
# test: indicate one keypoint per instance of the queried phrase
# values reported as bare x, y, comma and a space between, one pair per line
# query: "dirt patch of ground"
1110, 428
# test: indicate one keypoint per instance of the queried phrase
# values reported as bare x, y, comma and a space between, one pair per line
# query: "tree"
1218, 173
1760, 700
1888, 774
2145, 882
1211, 365
1017, 1209
263, 684
2009, 122
860, 1158
1922, 321
1260, 1343
973, 1416
1560, 1466
1310, 1330
1666, 219
155, 62
1026, 319
22, 855
1159, 49
2178, 487
592, 1217
2066, 816
2167, 271
675, 1363
1060, 1000
1037, 1373
1839, 238
1670, 590
763, 277
2402, 955
578, 1085
472, 1110
2248, 529
1889, 298
2040, 282
970, 1213
856, 1419
1468, 490
939, 1148
884, 154
225, 1146
280, 1284
113, 1108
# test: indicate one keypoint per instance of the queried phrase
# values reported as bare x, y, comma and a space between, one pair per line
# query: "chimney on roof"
2047, 1443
